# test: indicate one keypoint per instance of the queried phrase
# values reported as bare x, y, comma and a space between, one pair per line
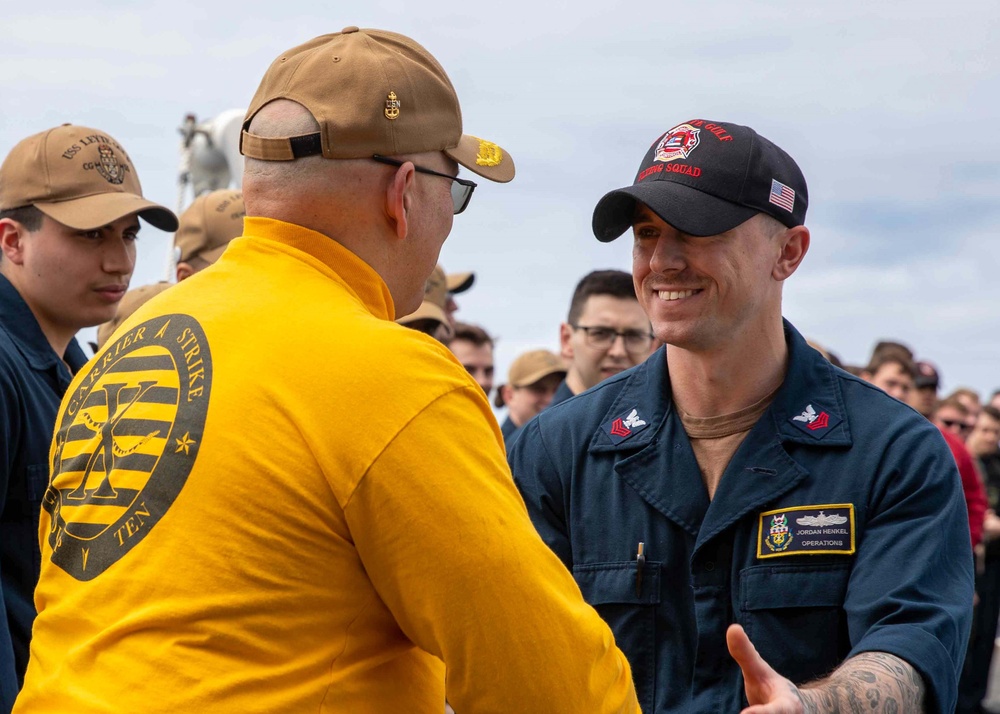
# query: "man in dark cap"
736, 487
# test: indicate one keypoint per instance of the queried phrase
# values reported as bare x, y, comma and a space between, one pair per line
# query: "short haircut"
991, 411
965, 392
616, 283
472, 333
28, 216
953, 403
891, 356
890, 346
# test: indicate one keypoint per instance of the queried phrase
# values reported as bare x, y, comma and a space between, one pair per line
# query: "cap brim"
483, 158
427, 311
460, 282
91, 212
687, 209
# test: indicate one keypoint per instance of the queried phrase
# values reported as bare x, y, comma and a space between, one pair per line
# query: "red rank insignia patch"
815, 420
624, 426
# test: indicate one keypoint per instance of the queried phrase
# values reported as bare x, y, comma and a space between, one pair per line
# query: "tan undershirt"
716, 438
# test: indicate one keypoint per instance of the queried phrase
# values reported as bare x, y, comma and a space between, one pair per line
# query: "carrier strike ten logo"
126, 442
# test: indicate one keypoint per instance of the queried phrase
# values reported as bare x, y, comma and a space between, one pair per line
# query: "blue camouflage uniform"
33, 380
839, 527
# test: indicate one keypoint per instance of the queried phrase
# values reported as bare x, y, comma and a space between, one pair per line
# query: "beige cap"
460, 282
530, 367
79, 177
372, 92
209, 223
130, 302
435, 298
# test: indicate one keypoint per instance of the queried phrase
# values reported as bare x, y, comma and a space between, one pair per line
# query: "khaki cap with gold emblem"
372, 92
130, 302
78, 176
435, 299
209, 223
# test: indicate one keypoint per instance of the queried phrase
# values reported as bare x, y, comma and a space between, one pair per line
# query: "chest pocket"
630, 611
794, 615
35, 484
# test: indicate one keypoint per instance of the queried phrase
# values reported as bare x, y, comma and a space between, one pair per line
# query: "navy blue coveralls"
838, 527
33, 380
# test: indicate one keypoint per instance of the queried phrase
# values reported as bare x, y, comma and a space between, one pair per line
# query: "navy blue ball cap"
705, 178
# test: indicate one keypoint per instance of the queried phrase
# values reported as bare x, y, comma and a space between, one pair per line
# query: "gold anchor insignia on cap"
489, 154
392, 105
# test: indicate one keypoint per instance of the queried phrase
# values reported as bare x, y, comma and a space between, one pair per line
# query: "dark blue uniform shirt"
562, 394
838, 527
33, 379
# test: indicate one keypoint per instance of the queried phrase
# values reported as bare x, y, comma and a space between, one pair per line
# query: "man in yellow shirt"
266, 495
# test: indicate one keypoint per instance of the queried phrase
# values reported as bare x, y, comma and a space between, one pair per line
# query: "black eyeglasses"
636, 341
952, 423
461, 189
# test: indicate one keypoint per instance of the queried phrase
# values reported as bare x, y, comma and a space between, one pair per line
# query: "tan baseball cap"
79, 177
435, 298
130, 302
460, 282
209, 223
530, 367
372, 92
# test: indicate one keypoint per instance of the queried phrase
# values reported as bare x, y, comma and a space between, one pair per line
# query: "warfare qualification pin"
392, 105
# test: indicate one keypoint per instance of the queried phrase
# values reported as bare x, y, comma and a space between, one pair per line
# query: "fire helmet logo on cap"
678, 143
392, 106
108, 166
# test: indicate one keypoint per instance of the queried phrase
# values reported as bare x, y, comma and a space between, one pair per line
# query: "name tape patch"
807, 530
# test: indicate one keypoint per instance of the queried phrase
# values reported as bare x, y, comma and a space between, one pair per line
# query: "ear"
507, 391
565, 345
794, 246
184, 270
399, 199
12, 242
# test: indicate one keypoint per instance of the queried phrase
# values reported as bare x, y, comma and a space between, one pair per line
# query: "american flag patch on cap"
782, 195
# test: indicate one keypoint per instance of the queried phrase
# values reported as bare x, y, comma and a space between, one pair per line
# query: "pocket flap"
608, 583
769, 587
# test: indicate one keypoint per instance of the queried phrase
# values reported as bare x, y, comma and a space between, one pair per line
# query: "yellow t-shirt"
268, 497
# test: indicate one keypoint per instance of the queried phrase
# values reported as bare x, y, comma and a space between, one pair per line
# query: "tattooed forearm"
871, 682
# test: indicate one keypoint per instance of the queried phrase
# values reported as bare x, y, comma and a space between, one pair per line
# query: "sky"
891, 109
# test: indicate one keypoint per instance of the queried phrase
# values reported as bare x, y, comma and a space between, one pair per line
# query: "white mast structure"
209, 160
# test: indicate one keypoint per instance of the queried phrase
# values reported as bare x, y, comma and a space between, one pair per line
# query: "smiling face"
704, 292
70, 278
